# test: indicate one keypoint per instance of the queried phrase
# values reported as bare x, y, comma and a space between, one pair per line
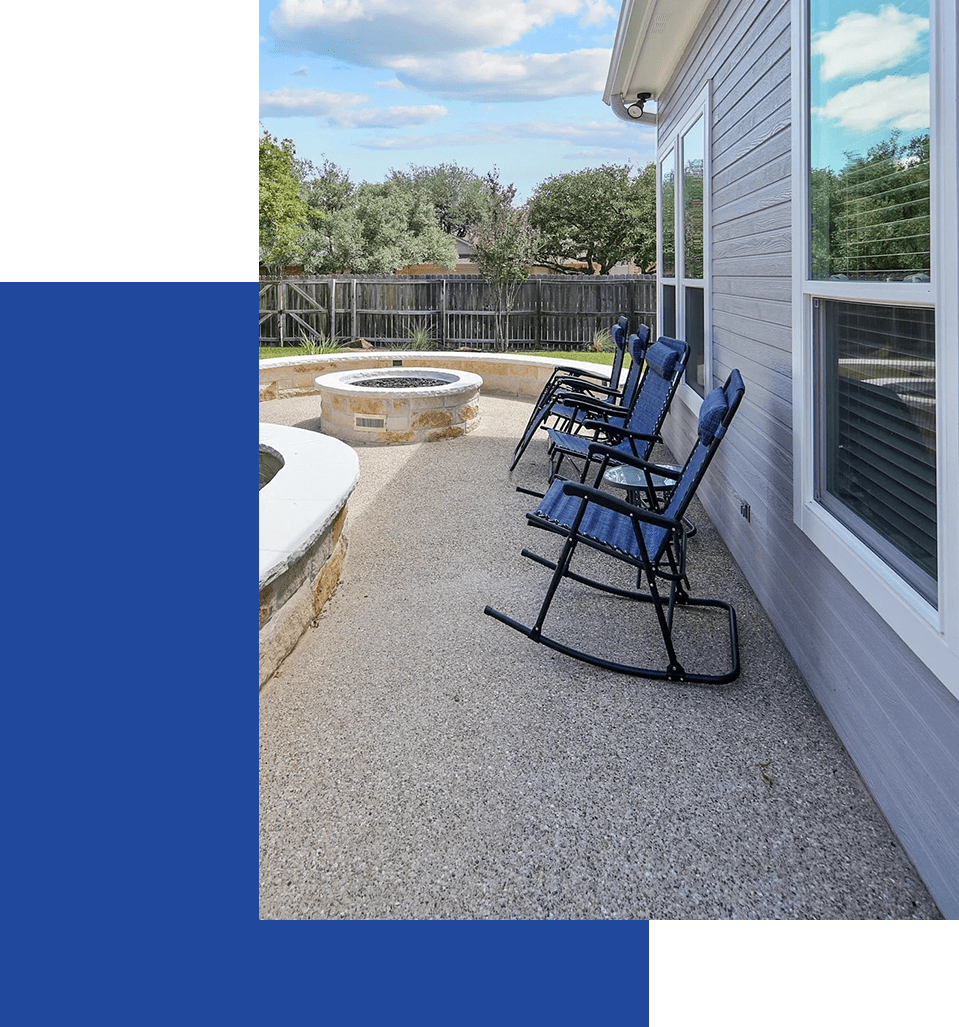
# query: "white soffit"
651, 38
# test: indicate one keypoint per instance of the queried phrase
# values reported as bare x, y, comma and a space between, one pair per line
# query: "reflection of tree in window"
870, 221
693, 205
668, 190
694, 152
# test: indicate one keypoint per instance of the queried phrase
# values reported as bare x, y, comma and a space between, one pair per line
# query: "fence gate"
290, 309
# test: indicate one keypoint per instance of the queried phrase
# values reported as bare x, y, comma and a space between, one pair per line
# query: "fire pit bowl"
395, 405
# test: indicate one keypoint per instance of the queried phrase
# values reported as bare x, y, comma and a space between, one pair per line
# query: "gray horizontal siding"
762, 233
899, 724
753, 288
766, 161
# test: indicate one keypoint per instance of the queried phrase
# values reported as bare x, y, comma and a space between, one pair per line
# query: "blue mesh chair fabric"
649, 410
565, 376
711, 415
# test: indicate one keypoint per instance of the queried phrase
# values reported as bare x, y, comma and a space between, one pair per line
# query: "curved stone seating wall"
302, 514
503, 374
302, 545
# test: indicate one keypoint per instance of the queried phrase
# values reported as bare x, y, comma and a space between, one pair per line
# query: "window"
876, 429
869, 227
683, 278
667, 237
875, 224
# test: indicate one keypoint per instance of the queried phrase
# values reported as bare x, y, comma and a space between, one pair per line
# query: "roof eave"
651, 39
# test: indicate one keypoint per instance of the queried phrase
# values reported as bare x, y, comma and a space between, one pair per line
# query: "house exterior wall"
896, 719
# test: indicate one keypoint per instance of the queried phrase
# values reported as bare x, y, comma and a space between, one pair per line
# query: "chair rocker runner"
564, 399
654, 543
634, 435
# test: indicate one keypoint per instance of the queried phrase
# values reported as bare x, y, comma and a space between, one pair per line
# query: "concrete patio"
420, 760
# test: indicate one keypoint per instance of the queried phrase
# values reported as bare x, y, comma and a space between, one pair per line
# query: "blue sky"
375, 85
870, 75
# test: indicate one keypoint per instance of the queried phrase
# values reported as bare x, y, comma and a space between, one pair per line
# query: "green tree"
459, 196
693, 219
600, 216
327, 190
283, 211
504, 246
370, 229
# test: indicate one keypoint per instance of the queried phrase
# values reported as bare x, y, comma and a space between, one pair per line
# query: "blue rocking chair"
634, 435
566, 377
570, 400
652, 542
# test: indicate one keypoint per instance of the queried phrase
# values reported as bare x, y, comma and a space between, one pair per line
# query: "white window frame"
931, 632
673, 141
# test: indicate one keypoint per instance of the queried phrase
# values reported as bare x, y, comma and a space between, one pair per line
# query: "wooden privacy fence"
551, 311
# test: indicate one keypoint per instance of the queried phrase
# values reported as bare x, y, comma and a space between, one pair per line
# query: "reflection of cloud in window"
862, 44
896, 101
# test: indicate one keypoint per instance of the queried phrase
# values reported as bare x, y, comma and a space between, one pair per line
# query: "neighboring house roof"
651, 38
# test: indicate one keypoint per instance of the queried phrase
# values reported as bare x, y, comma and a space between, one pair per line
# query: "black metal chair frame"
569, 400
652, 542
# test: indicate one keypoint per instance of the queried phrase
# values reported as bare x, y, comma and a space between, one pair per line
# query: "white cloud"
298, 103
896, 101
862, 44
393, 83
302, 70
393, 117
373, 31
507, 76
600, 135
597, 11
294, 103
445, 46
580, 132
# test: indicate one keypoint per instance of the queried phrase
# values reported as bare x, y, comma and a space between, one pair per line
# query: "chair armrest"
600, 449
617, 505
576, 372
609, 390
606, 390
566, 381
621, 432
588, 404
600, 406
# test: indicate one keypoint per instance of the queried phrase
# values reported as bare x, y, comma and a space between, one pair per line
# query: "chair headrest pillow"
662, 359
711, 415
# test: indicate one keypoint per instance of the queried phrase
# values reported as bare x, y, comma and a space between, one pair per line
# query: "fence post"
332, 309
443, 325
353, 308
539, 313
281, 310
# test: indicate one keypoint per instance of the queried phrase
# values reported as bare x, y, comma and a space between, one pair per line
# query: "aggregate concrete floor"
421, 761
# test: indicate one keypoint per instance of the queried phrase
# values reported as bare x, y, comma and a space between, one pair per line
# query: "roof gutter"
619, 107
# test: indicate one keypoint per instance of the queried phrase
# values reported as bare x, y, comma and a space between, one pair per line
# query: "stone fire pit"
394, 405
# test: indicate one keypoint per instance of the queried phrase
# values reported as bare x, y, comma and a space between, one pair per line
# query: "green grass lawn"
266, 352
